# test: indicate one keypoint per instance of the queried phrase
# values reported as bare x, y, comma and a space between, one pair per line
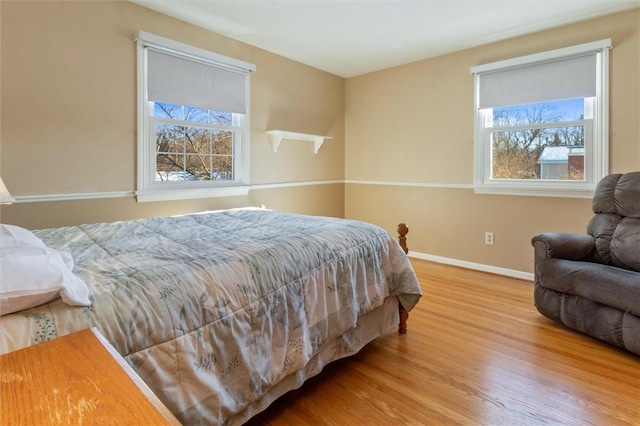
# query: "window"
541, 123
193, 121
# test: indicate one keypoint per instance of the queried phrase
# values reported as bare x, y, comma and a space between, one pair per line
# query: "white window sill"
188, 194
535, 191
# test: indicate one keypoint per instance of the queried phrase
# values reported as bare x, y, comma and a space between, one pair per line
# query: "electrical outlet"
488, 238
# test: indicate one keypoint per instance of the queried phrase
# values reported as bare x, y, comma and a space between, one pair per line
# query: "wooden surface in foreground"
477, 353
77, 379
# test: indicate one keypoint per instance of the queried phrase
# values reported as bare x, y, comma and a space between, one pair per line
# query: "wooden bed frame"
403, 230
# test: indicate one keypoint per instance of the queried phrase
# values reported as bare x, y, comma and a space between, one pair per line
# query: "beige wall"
68, 126
69, 115
414, 124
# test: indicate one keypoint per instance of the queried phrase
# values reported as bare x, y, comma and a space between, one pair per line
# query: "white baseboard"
471, 265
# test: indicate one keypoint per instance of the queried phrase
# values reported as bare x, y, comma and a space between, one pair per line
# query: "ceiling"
353, 37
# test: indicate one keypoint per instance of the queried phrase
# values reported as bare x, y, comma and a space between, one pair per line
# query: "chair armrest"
564, 246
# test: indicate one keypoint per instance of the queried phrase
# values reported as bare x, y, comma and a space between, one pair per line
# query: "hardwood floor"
477, 353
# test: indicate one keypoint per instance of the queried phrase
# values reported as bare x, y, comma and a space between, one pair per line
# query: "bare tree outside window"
189, 147
538, 141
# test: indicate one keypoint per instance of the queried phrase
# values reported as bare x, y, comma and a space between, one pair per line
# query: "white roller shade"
182, 81
567, 78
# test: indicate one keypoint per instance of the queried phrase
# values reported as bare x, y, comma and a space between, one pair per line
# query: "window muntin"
519, 86
191, 150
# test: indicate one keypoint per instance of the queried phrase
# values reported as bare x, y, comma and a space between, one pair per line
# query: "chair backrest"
616, 224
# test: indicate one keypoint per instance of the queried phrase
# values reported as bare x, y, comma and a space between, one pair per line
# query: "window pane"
198, 140
190, 113
199, 166
538, 153
165, 110
220, 117
170, 167
545, 112
222, 168
169, 138
222, 142
197, 115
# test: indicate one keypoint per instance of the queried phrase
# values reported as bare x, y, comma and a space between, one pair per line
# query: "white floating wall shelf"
276, 136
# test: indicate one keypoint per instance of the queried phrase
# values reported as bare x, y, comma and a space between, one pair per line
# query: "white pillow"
31, 276
14, 236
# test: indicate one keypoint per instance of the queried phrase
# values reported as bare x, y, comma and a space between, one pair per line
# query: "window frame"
596, 130
148, 189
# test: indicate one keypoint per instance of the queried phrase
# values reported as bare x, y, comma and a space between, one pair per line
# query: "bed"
220, 313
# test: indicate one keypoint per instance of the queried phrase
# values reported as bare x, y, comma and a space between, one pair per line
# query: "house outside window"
193, 122
541, 123
562, 162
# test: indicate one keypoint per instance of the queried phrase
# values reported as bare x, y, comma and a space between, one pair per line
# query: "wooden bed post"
403, 230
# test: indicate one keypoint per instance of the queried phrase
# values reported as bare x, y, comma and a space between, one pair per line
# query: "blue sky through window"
563, 110
189, 113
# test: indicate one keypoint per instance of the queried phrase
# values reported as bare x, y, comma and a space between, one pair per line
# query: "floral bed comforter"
215, 310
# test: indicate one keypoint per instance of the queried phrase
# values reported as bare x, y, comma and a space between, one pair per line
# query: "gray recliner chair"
591, 283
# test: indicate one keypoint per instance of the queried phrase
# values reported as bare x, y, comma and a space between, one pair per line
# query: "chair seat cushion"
608, 285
